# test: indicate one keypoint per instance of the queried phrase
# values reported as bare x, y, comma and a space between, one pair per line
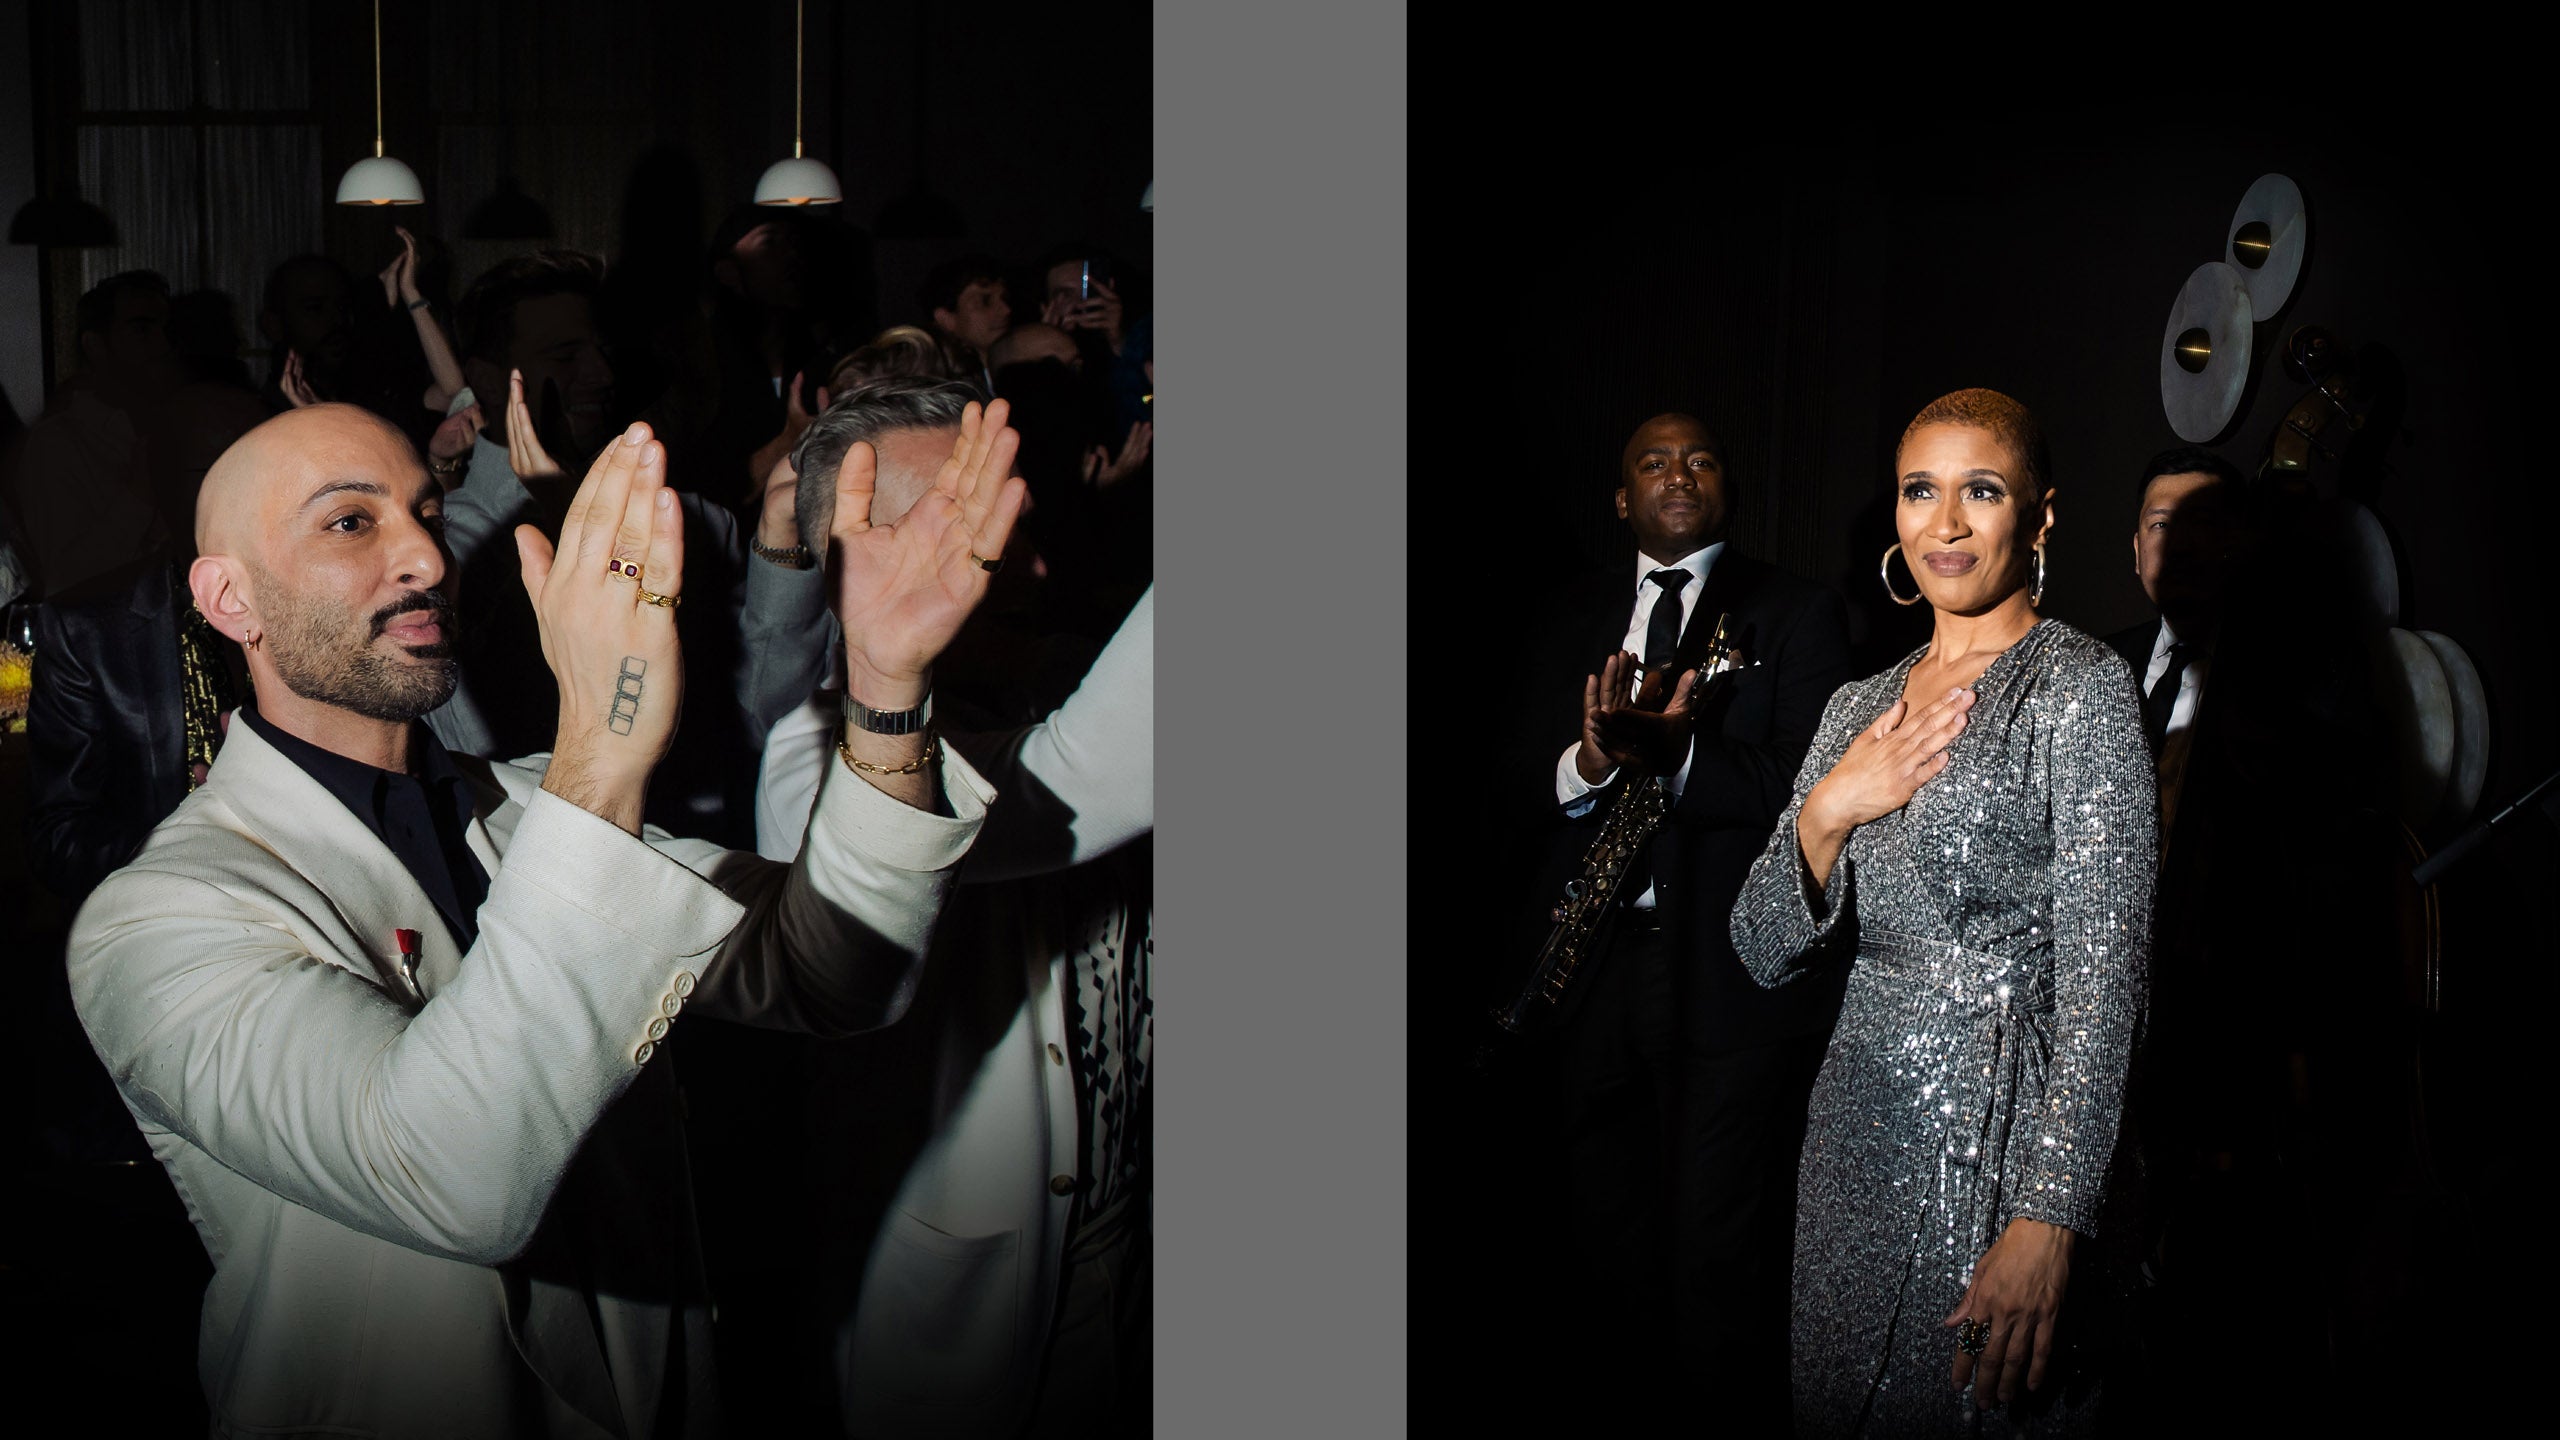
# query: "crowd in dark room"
2335, 1086
177, 274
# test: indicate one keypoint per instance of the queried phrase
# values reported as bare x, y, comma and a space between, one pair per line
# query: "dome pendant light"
798, 180
379, 179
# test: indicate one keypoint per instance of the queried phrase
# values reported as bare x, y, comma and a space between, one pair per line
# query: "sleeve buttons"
670, 1005
684, 984
658, 1028
641, 1055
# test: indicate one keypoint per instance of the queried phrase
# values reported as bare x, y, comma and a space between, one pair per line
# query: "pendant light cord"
799, 23
377, 79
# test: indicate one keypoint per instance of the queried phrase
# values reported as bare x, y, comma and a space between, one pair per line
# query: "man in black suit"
1684, 1083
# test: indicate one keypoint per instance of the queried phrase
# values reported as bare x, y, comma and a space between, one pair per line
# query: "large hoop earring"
2035, 590
1884, 572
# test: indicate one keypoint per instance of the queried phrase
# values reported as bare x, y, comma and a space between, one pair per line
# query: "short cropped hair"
1715, 446
944, 282
862, 414
2007, 421
97, 308
2192, 460
485, 317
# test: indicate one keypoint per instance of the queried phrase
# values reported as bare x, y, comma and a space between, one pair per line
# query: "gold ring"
663, 602
627, 569
1973, 1336
990, 566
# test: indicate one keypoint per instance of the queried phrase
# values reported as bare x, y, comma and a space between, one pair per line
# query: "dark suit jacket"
1751, 741
106, 731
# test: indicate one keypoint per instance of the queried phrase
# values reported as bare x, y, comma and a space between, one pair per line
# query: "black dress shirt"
422, 817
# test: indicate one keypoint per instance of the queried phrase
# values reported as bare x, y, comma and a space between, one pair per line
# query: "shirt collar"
2167, 637
1696, 562
357, 785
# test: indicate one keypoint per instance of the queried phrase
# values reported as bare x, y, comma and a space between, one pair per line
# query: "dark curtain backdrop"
1806, 298
214, 131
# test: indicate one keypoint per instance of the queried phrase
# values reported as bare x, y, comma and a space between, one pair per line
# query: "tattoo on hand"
626, 695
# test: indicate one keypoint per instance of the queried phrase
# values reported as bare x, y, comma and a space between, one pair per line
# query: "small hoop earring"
2035, 591
1884, 572
250, 644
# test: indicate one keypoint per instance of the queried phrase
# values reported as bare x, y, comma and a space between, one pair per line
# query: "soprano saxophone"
1590, 896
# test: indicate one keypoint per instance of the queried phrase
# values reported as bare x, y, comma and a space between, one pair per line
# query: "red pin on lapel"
408, 941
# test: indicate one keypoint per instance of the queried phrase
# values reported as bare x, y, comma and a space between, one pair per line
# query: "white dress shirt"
2180, 737
1571, 792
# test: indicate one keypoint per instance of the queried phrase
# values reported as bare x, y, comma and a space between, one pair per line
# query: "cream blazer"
946, 1336
455, 1203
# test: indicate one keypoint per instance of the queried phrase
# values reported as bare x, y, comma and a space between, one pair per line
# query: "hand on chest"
1982, 828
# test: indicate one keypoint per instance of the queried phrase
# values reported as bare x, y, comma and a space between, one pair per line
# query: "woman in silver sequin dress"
1972, 833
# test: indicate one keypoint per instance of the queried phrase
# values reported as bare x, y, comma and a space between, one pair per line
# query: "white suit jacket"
381, 1168
947, 1331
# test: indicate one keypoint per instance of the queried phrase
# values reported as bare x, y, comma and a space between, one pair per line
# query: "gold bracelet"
932, 750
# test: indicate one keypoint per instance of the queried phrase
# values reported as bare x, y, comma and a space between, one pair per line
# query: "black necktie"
2163, 697
1662, 632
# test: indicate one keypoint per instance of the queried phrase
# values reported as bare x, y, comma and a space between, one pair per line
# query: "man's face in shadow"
312, 318
564, 363
131, 357
2185, 540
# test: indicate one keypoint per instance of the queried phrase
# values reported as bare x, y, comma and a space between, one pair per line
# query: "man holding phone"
1081, 292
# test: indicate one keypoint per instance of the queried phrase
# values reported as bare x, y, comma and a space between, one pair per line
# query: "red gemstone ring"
627, 569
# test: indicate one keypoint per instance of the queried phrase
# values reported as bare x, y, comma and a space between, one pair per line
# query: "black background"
1805, 274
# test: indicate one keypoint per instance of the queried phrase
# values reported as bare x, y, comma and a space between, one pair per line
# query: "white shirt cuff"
1569, 784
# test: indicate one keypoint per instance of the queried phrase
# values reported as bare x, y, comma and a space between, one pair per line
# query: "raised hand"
1622, 727
903, 589
297, 391
612, 648
400, 277
1101, 311
453, 439
1878, 774
525, 454
777, 521
1102, 471
1653, 730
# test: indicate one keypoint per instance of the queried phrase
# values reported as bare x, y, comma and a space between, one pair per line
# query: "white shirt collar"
1696, 562
2167, 638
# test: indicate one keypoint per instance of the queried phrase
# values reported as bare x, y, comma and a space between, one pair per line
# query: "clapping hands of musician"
1878, 774
1624, 726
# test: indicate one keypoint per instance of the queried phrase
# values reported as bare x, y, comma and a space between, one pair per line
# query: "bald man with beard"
386, 1013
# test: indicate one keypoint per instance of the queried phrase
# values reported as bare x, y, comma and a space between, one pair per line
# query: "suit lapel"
369, 892
1717, 596
371, 895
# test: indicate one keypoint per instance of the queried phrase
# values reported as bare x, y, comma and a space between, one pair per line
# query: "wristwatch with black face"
888, 722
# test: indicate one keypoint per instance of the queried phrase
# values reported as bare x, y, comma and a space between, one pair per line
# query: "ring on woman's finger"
627, 569
663, 602
1972, 1336
990, 566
